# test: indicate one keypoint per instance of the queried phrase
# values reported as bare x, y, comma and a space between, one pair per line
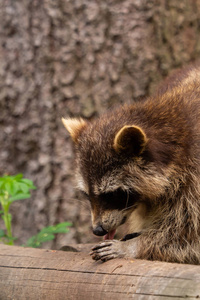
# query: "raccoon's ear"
74, 127
130, 140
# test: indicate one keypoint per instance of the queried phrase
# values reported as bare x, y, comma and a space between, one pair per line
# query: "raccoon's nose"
99, 230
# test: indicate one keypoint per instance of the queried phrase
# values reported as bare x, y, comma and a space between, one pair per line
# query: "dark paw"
106, 250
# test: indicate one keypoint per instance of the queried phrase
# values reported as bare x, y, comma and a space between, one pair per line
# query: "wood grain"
27, 273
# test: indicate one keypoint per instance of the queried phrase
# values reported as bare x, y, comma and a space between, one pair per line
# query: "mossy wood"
27, 273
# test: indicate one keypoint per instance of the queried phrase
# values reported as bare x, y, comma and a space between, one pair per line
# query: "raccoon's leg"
110, 249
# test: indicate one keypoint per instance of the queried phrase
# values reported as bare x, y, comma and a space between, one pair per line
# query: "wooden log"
38, 274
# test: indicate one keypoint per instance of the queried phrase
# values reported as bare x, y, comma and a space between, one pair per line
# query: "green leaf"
2, 233
23, 187
14, 184
1, 182
64, 224
14, 188
1, 212
18, 176
36, 240
47, 234
19, 196
32, 242
7, 187
44, 237
54, 229
28, 182
59, 228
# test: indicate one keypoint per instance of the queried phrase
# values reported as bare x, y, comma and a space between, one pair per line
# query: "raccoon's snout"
99, 230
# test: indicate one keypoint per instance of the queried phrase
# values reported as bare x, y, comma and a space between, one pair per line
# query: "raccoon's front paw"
106, 250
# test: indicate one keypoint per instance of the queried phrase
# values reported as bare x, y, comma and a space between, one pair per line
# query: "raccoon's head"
113, 172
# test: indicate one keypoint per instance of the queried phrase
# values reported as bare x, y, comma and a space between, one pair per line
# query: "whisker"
127, 199
84, 203
128, 207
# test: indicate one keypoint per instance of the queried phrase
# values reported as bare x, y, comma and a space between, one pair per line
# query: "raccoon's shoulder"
183, 79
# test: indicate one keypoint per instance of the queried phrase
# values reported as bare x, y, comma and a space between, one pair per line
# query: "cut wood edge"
27, 273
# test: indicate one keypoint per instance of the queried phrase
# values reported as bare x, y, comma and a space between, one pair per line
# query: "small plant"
47, 234
13, 188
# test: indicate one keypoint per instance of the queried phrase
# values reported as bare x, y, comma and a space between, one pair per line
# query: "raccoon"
140, 164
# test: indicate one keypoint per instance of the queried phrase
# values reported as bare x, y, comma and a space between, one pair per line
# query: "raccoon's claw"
107, 250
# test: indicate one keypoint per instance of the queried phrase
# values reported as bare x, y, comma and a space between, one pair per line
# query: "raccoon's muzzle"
99, 230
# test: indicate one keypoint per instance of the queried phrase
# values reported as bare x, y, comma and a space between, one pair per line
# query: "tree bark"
46, 274
77, 58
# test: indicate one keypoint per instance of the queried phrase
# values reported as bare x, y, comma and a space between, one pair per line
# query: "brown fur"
157, 189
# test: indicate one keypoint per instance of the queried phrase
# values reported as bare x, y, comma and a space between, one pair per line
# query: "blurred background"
77, 58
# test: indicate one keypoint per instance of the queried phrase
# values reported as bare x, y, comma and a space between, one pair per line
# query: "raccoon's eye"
115, 195
119, 199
